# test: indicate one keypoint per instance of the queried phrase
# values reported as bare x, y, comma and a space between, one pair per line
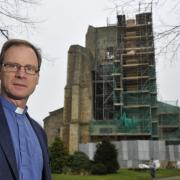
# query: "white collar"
19, 110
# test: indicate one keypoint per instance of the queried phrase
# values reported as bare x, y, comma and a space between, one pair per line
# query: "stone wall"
78, 98
52, 124
99, 39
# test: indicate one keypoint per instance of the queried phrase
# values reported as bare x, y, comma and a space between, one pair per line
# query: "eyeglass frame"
17, 67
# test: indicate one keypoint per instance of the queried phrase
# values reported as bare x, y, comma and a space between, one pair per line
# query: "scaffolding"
124, 82
169, 121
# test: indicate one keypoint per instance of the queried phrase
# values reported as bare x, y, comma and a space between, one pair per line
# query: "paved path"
170, 178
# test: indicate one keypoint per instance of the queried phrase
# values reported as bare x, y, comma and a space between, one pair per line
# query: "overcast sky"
65, 23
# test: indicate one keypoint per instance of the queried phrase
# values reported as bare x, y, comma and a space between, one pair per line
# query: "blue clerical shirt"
26, 145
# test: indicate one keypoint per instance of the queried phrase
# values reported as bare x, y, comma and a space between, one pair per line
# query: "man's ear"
37, 81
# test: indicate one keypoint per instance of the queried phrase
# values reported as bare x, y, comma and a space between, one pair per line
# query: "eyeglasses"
15, 67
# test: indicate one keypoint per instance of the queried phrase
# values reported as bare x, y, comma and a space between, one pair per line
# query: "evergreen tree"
79, 163
106, 154
58, 156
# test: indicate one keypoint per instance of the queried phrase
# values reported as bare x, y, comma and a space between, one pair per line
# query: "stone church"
111, 89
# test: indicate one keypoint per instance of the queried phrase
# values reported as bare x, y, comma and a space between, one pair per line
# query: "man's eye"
29, 68
14, 66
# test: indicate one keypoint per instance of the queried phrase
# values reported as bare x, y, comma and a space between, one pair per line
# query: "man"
23, 143
152, 167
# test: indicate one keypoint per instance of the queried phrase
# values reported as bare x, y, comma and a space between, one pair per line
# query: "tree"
58, 156
106, 154
79, 163
15, 13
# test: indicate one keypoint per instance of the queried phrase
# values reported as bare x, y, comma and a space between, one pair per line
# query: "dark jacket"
8, 166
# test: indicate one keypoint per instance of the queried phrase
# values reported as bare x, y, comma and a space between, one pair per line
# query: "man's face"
19, 85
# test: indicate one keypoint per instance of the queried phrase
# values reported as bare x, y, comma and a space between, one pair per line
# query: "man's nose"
21, 72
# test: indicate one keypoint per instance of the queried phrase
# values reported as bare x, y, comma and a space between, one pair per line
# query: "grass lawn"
122, 174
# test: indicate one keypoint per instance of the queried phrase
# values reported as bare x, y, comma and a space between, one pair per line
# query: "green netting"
167, 108
149, 85
169, 119
171, 135
154, 129
116, 84
105, 69
152, 71
128, 122
122, 124
136, 99
168, 114
116, 68
117, 97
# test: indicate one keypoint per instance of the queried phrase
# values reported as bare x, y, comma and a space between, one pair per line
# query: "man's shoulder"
35, 123
38, 128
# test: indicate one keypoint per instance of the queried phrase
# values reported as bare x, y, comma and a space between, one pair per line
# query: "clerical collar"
12, 107
19, 110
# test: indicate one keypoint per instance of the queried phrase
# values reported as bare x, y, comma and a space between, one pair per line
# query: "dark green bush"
98, 169
58, 156
79, 163
106, 154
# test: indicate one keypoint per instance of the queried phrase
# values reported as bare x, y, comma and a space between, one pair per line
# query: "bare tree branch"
15, 12
168, 36
5, 33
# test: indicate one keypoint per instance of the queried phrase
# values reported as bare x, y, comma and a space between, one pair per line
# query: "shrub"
66, 170
98, 169
58, 156
106, 154
79, 163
